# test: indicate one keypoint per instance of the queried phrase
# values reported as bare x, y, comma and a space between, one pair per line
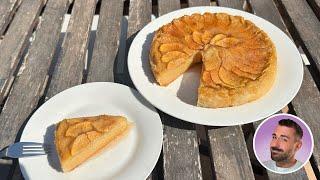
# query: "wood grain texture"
139, 15
7, 10
69, 69
193, 3
229, 153
307, 25
165, 6
263, 8
15, 41
181, 157
298, 175
315, 4
106, 42
307, 106
27, 88
228, 147
268, 10
236, 4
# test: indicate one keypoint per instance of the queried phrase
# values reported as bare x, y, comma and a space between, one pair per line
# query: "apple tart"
238, 58
78, 139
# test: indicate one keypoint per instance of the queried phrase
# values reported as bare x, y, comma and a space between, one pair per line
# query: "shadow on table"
145, 58
22, 174
171, 121
121, 72
53, 155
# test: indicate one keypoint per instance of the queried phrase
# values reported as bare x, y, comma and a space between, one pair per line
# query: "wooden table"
37, 61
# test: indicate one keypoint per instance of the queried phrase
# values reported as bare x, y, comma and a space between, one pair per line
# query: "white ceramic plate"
179, 98
132, 158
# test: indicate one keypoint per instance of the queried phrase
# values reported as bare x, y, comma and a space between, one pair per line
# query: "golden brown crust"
78, 139
239, 59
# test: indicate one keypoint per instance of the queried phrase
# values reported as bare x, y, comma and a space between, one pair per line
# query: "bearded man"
286, 141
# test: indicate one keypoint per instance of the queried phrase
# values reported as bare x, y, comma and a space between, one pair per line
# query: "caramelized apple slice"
182, 27
230, 78
167, 38
172, 30
79, 128
164, 48
207, 81
209, 19
92, 135
192, 44
227, 42
79, 143
217, 38
238, 72
188, 20
102, 125
223, 20
169, 56
197, 37
215, 77
206, 37
175, 63
211, 59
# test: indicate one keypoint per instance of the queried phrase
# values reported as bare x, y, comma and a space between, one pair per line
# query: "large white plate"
179, 98
132, 158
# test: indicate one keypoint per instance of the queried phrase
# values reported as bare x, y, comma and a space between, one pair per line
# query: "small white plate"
179, 98
133, 157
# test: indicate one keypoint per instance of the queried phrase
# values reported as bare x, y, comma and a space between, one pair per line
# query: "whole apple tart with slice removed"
238, 58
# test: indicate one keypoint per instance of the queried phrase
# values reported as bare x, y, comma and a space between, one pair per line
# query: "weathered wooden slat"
7, 9
15, 41
228, 147
167, 6
268, 10
193, 3
315, 4
69, 69
229, 153
307, 106
27, 88
107, 42
180, 146
139, 16
298, 175
237, 4
309, 30
181, 158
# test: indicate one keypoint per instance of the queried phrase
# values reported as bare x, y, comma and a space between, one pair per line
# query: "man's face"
284, 144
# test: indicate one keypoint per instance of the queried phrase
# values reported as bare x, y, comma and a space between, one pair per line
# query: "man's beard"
280, 155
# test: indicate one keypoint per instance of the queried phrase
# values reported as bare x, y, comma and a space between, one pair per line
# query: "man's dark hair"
290, 123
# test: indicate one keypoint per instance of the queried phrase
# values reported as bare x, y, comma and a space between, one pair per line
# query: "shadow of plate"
53, 155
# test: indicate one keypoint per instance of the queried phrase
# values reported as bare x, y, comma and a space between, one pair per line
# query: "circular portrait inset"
283, 143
